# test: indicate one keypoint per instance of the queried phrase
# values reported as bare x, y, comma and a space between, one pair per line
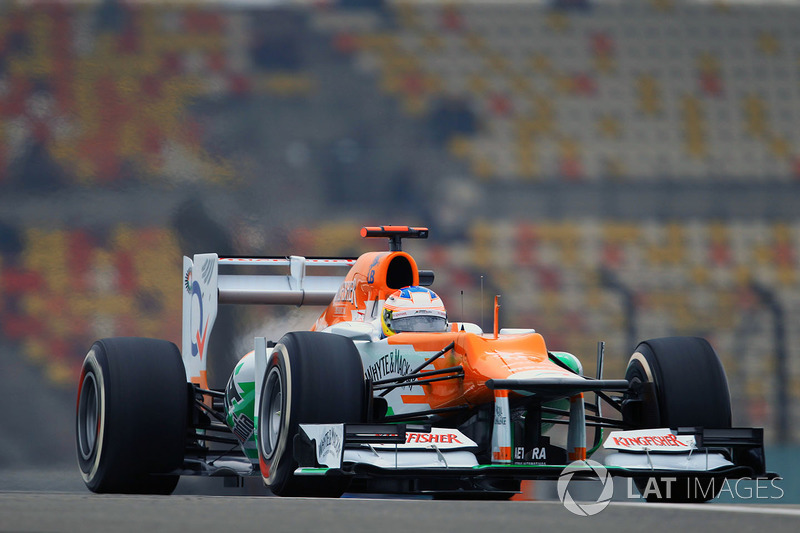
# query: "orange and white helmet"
413, 309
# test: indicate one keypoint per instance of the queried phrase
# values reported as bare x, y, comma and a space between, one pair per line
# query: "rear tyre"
682, 384
311, 378
131, 416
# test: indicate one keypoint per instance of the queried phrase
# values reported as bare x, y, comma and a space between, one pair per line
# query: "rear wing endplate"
283, 282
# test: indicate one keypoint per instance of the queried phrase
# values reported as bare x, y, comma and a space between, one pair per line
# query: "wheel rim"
88, 416
273, 412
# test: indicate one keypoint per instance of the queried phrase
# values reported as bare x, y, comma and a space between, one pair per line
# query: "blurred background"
617, 170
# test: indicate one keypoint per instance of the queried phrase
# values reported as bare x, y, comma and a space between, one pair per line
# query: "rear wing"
277, 281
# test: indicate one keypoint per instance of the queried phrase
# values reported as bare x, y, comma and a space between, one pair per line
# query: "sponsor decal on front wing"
650, 440
329, 440
442, 438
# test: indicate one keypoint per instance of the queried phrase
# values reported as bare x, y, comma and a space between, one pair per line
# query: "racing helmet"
413, 309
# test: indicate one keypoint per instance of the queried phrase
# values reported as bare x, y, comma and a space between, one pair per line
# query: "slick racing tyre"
311, 378
131, 416
682, 384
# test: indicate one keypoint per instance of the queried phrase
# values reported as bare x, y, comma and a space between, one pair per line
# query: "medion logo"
347, 292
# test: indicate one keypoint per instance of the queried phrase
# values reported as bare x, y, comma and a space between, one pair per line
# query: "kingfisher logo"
590, 508
648, 440
657, 440
440, 438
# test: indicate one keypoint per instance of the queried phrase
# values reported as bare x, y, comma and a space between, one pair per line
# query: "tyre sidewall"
639, 372
277, 468
94, 465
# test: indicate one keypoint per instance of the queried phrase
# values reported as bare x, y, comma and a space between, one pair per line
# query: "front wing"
403, 458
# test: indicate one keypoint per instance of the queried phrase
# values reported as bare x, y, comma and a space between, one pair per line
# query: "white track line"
712, 507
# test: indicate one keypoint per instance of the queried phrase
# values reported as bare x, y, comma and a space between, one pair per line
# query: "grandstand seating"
70, 288
626, 90
107, 89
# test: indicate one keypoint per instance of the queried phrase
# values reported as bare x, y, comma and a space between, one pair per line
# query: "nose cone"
512, 357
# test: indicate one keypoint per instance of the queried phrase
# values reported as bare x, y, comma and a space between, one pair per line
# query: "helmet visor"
419, 323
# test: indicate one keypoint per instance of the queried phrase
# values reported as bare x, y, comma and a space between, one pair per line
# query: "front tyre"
681, 383
131, 416
311, 378
690, 384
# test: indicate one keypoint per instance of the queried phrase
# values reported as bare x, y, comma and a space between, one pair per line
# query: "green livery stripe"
308, 471
311, 471
482, 467
596, 446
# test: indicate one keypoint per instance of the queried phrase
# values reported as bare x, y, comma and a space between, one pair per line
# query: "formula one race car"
384, 394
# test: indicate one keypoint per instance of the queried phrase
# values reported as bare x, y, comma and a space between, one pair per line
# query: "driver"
413, 309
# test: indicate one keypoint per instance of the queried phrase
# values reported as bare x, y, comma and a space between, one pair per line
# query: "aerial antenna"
496, 315
462, 306
482, 302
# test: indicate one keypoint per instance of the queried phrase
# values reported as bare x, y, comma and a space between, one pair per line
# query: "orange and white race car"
385, 394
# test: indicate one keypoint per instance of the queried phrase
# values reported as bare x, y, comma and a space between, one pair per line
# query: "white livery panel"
439, 448
659, 449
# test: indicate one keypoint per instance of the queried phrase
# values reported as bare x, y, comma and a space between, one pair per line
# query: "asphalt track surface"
55, 500
34, 511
